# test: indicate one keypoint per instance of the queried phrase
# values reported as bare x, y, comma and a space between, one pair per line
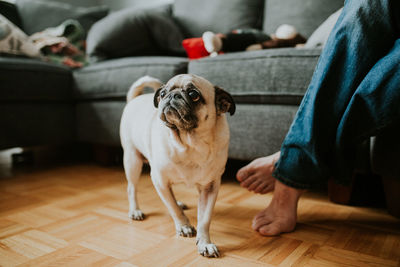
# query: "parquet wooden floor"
77, 216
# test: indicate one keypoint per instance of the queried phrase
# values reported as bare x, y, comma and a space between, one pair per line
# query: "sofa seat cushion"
258, 130
271, 76
112, 78
24, 79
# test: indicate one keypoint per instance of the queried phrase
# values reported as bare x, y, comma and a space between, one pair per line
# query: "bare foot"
257, 175
281, 214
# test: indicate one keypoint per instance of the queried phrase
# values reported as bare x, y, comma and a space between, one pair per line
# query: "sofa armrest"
135, 32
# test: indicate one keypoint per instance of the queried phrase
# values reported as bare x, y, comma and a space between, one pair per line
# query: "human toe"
260, 221
254, 185
277, 227
262, 187
248, 181
271, 229
243, 174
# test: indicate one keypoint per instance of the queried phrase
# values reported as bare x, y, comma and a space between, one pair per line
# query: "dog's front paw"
186, 231
136, 215
208, 250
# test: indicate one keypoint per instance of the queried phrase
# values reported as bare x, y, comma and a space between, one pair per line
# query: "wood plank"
28, 245
78, 216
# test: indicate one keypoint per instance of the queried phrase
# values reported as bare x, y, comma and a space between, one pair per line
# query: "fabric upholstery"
304, 15
112, 78
258, 130
35, 124
98, 121
196, 17
24, 79
274, 76
133, 32
38, 15
319, 37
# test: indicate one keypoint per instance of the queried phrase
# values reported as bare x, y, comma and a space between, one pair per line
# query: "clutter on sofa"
60, 38
14, 41
212, 44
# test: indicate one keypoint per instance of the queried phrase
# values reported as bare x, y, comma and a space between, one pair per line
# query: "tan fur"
138, 86
196, 157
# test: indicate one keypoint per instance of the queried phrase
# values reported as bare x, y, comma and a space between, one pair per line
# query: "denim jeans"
354, 92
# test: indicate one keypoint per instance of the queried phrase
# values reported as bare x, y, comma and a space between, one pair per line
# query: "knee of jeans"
368, 8
370, 16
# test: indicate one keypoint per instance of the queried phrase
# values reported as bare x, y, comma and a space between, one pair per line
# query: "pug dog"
182, 132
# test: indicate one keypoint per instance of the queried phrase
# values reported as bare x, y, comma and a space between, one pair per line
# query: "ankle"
276, 156
285, 195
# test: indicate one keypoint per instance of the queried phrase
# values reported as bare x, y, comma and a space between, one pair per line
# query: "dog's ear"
156, 98
224, 101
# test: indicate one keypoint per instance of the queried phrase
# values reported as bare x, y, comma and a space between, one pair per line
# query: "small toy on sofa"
212, 44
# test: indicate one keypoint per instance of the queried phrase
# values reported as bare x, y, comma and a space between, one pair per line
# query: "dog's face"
188, 102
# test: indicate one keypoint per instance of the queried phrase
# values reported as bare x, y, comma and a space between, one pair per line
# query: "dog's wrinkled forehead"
188, 81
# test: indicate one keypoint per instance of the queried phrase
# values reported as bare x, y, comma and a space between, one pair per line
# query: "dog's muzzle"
178, 112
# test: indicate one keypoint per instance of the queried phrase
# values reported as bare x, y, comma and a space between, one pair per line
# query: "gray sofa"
267, 85
45, 104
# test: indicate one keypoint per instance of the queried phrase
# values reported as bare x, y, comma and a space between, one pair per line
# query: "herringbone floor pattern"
77, 216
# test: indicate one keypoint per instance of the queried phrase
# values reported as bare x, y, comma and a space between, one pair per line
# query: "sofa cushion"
98, 121
134, 32
112, 78
23, 79
271, 76
220, 16
305, 15
38, 15
35, 124
320, 36
258, 130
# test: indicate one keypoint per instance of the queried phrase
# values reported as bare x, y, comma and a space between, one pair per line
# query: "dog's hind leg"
133, 164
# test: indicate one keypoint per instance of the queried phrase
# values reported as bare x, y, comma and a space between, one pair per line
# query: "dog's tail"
138, 86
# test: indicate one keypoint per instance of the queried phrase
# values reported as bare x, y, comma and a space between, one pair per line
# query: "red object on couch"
195, 48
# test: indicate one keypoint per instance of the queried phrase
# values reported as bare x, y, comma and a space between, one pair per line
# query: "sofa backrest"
220, 16
197, 16
304, 15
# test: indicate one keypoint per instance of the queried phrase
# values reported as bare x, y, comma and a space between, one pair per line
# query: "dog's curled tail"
138, 86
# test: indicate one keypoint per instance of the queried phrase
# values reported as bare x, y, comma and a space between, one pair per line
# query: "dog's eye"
194, 95
162, 93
